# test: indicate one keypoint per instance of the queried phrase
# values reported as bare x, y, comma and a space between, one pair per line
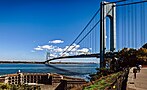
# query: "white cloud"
53, 55
84, 50
49, 47
73, 47
90, 48
56, 41
106, 37
58, 49
38, 48
65, 54
45, 47
75, 50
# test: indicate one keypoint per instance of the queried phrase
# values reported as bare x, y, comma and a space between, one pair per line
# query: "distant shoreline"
33, 62
17, 62
71, 63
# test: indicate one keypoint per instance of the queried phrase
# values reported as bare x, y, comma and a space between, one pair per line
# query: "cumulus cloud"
56, 41
53, 55
49, 47
73, 47
58, 51
84, 50
64, 54
75, 50
38, 48
44, 47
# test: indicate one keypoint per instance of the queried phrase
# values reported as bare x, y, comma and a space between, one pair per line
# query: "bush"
4, 86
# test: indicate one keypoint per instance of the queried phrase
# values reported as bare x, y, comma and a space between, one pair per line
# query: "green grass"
4, 86
103, 82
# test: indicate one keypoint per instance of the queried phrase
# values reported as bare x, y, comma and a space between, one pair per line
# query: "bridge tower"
107, 10
47, 56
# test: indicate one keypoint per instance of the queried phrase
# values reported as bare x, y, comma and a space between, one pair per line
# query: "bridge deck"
97, 55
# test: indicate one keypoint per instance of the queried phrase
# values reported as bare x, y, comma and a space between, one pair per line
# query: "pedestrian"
134, 71
139, 66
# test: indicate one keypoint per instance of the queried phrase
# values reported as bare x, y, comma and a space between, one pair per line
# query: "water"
75, 70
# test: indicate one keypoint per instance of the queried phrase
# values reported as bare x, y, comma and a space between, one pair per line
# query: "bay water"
74, 70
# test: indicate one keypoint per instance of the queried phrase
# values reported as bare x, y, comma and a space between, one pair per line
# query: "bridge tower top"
107, 10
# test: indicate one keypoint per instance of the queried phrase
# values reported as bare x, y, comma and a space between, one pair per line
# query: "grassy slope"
103, 82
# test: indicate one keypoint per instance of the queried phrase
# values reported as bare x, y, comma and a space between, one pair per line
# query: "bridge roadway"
97, 55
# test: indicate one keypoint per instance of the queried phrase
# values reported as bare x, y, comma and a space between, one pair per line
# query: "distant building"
50, 81
26, 78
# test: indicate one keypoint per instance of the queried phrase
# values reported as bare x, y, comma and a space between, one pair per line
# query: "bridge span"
97, 55
102, 31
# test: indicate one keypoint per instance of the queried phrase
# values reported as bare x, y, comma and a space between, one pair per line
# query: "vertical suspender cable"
132, 27
141, 26
131, 15
91, 39
122, 29
118, 28
96, 40
144, 23
135, 21
128, 15
125, 26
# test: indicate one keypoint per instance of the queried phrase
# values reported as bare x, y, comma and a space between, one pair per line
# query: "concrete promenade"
140, 83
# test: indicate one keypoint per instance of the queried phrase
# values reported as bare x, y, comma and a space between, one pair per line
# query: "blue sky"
30, 27
27, 24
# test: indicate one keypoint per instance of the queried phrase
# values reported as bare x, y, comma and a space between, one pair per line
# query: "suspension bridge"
114, 26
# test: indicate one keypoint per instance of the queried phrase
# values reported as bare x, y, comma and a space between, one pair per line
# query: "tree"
127, 57
142, 55
144, 46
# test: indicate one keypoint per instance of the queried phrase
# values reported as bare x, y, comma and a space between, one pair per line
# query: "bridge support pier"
107, 10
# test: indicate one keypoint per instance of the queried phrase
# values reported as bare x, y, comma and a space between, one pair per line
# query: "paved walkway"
141, 80
140, 83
